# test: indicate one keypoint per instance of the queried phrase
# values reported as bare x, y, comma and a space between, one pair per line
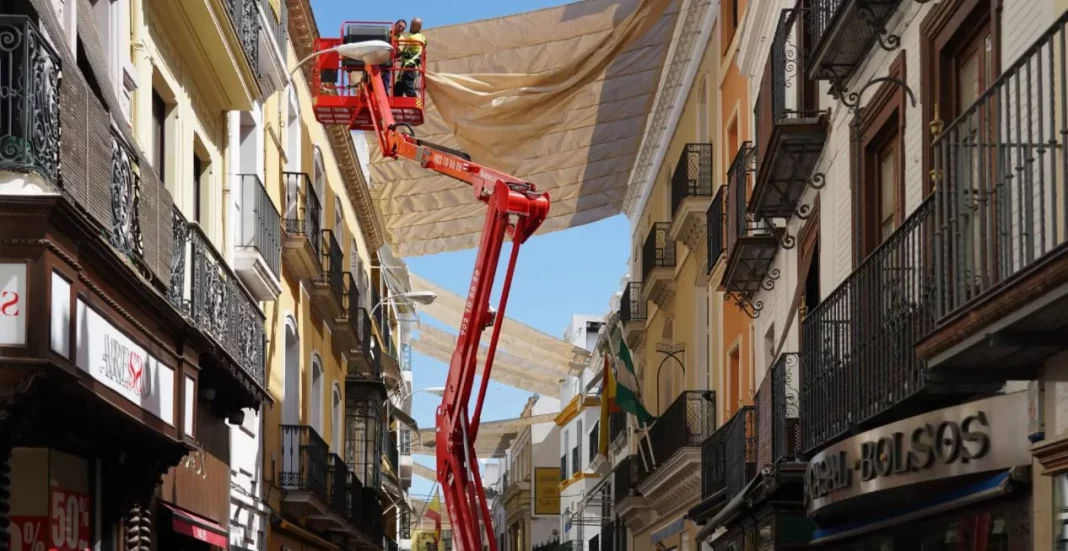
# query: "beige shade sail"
559, 97
507, 369
548, 352
494, 437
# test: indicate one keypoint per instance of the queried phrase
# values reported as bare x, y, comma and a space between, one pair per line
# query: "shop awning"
994, 486
560, 97
494, 437
197, 527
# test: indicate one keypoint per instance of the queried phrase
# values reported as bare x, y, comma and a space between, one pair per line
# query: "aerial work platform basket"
340, 94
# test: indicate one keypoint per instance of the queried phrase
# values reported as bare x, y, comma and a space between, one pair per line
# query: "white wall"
248, 515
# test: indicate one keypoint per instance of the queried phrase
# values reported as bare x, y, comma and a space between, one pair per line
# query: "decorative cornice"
1053, 456
304, 31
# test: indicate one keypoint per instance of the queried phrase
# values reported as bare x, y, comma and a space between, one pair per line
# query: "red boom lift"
353, 93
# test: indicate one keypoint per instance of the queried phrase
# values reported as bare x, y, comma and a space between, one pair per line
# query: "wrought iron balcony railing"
728, 457
658, 250
29, 104
339, 486
857, 345
844, 31
687, 422
304, 461
355, 500
304, 212
627, 474
332, 269
1001, 191
205, 289
352, 301
245, 17
632, 306
716, 220
371, 522
790, 130
776, 405
277, 22
125, 234
261, 227
692, 176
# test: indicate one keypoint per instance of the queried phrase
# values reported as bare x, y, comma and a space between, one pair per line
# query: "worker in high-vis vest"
411, 56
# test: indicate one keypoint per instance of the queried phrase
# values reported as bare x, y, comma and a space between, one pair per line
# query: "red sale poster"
70, 518
28, 533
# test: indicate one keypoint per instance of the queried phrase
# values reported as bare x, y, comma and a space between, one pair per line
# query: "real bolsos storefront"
957, 478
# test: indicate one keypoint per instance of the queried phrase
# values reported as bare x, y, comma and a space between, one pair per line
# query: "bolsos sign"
979, 436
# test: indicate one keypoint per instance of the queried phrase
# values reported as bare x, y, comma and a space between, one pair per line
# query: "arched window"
291, 390
315, 399
335, 419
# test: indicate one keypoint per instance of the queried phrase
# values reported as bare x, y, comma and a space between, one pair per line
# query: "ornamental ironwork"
125, 234
29, 100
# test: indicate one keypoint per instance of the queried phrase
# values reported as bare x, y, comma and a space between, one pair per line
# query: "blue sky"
559, 274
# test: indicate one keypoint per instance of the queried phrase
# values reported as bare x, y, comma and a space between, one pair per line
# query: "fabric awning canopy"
494, 437
549, 353
559, 97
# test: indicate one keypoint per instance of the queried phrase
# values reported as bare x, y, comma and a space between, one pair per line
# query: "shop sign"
70, 516
13, 304
984, 435
27, 532
547, 490
112, 358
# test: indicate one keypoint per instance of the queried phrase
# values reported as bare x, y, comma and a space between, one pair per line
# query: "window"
159, 134
315, 400
198, 170
729, 16
734, 382
879, 201
335, 418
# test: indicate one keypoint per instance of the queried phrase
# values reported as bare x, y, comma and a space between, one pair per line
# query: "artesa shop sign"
112, 358
980, 436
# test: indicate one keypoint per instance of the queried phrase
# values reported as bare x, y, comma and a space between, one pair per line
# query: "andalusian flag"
627, 395
434, 513
608, 405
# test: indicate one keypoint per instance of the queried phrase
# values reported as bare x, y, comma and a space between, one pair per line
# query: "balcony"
387, 348
632, 313
859, 369
658, 265
691, 192
209, 294
790, 131
716, 218
340, 481
345, 329
125, 233
365, 362
303, 227
258, 253
304, 474
843, 32
29, 109
631, 506
1000, 246
675, 439
751, 244
728, 457
777, 416
328, 287
272, 64
617, 425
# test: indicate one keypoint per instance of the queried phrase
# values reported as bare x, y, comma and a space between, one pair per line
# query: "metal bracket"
745, 304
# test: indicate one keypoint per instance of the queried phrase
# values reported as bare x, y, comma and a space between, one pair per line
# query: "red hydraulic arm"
515, 209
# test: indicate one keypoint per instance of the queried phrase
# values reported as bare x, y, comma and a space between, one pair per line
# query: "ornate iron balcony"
844, 31
304, 461
364, 418
206, 290
304, 212
776, 405
339, 486
685, 423
790, 130
332, 269
728, 457
245, 17
632, 306
29, 103
692, 176
260, 222
355, 499
658, 250
125, 234
628, 473
716, 219
857, 345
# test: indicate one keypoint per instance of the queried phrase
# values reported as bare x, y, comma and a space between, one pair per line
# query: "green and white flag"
627, 394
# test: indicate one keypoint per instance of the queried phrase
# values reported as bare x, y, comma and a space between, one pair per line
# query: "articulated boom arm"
515, 209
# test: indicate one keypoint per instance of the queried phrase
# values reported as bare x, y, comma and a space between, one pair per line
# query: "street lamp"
419, 297
371, 52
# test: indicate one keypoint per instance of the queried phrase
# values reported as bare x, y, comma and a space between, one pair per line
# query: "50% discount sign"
27, 533
70, 516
